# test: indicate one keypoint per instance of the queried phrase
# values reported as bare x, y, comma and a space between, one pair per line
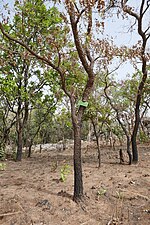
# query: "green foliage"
8, 86
64, 172
40, 26
23, 80
36, 15
117, 131
101, 192
2, 166
143, 137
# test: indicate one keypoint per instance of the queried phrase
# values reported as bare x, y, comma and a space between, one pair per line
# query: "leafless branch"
147, 7
148, 36
146, 30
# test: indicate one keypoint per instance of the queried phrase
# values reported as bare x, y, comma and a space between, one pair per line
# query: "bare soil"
31, 191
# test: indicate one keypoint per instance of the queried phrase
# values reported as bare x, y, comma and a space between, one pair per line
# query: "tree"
18, 91
42, 113
145, 35
26, 90
121, 107
6, 122
99, 113
73, 63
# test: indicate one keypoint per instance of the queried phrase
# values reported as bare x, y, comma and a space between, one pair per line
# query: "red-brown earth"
31, 191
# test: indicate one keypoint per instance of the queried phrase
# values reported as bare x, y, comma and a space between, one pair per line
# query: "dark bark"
128, 149
40, 148
19, 144
137, 113
78, 182
20, 129
134, 149
19, 126
97, 142
87, 63
121, 156
29, 150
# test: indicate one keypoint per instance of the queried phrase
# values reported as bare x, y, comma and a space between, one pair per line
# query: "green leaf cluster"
2, 166
64, 172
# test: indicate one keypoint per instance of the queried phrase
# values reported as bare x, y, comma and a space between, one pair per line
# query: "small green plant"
65, 170
143, 137
119, 194
101, 192
2, 166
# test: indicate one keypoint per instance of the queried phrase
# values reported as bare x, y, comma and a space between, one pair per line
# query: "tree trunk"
97, 142
19, 144
144, 34
135, 130
78, 182
29, 150
99, 152
134, 149
128, 150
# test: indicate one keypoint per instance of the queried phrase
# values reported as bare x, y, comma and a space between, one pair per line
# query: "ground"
31, 191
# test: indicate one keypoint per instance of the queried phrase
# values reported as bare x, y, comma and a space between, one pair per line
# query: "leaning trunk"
78, 182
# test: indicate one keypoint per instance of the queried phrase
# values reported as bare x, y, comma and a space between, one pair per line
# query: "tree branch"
29, 49
46, 60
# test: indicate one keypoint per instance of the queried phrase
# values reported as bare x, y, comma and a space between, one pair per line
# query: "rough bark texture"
29, 150
128, 150
97, 142
19, 144
137, 113
121, 156
78, 183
